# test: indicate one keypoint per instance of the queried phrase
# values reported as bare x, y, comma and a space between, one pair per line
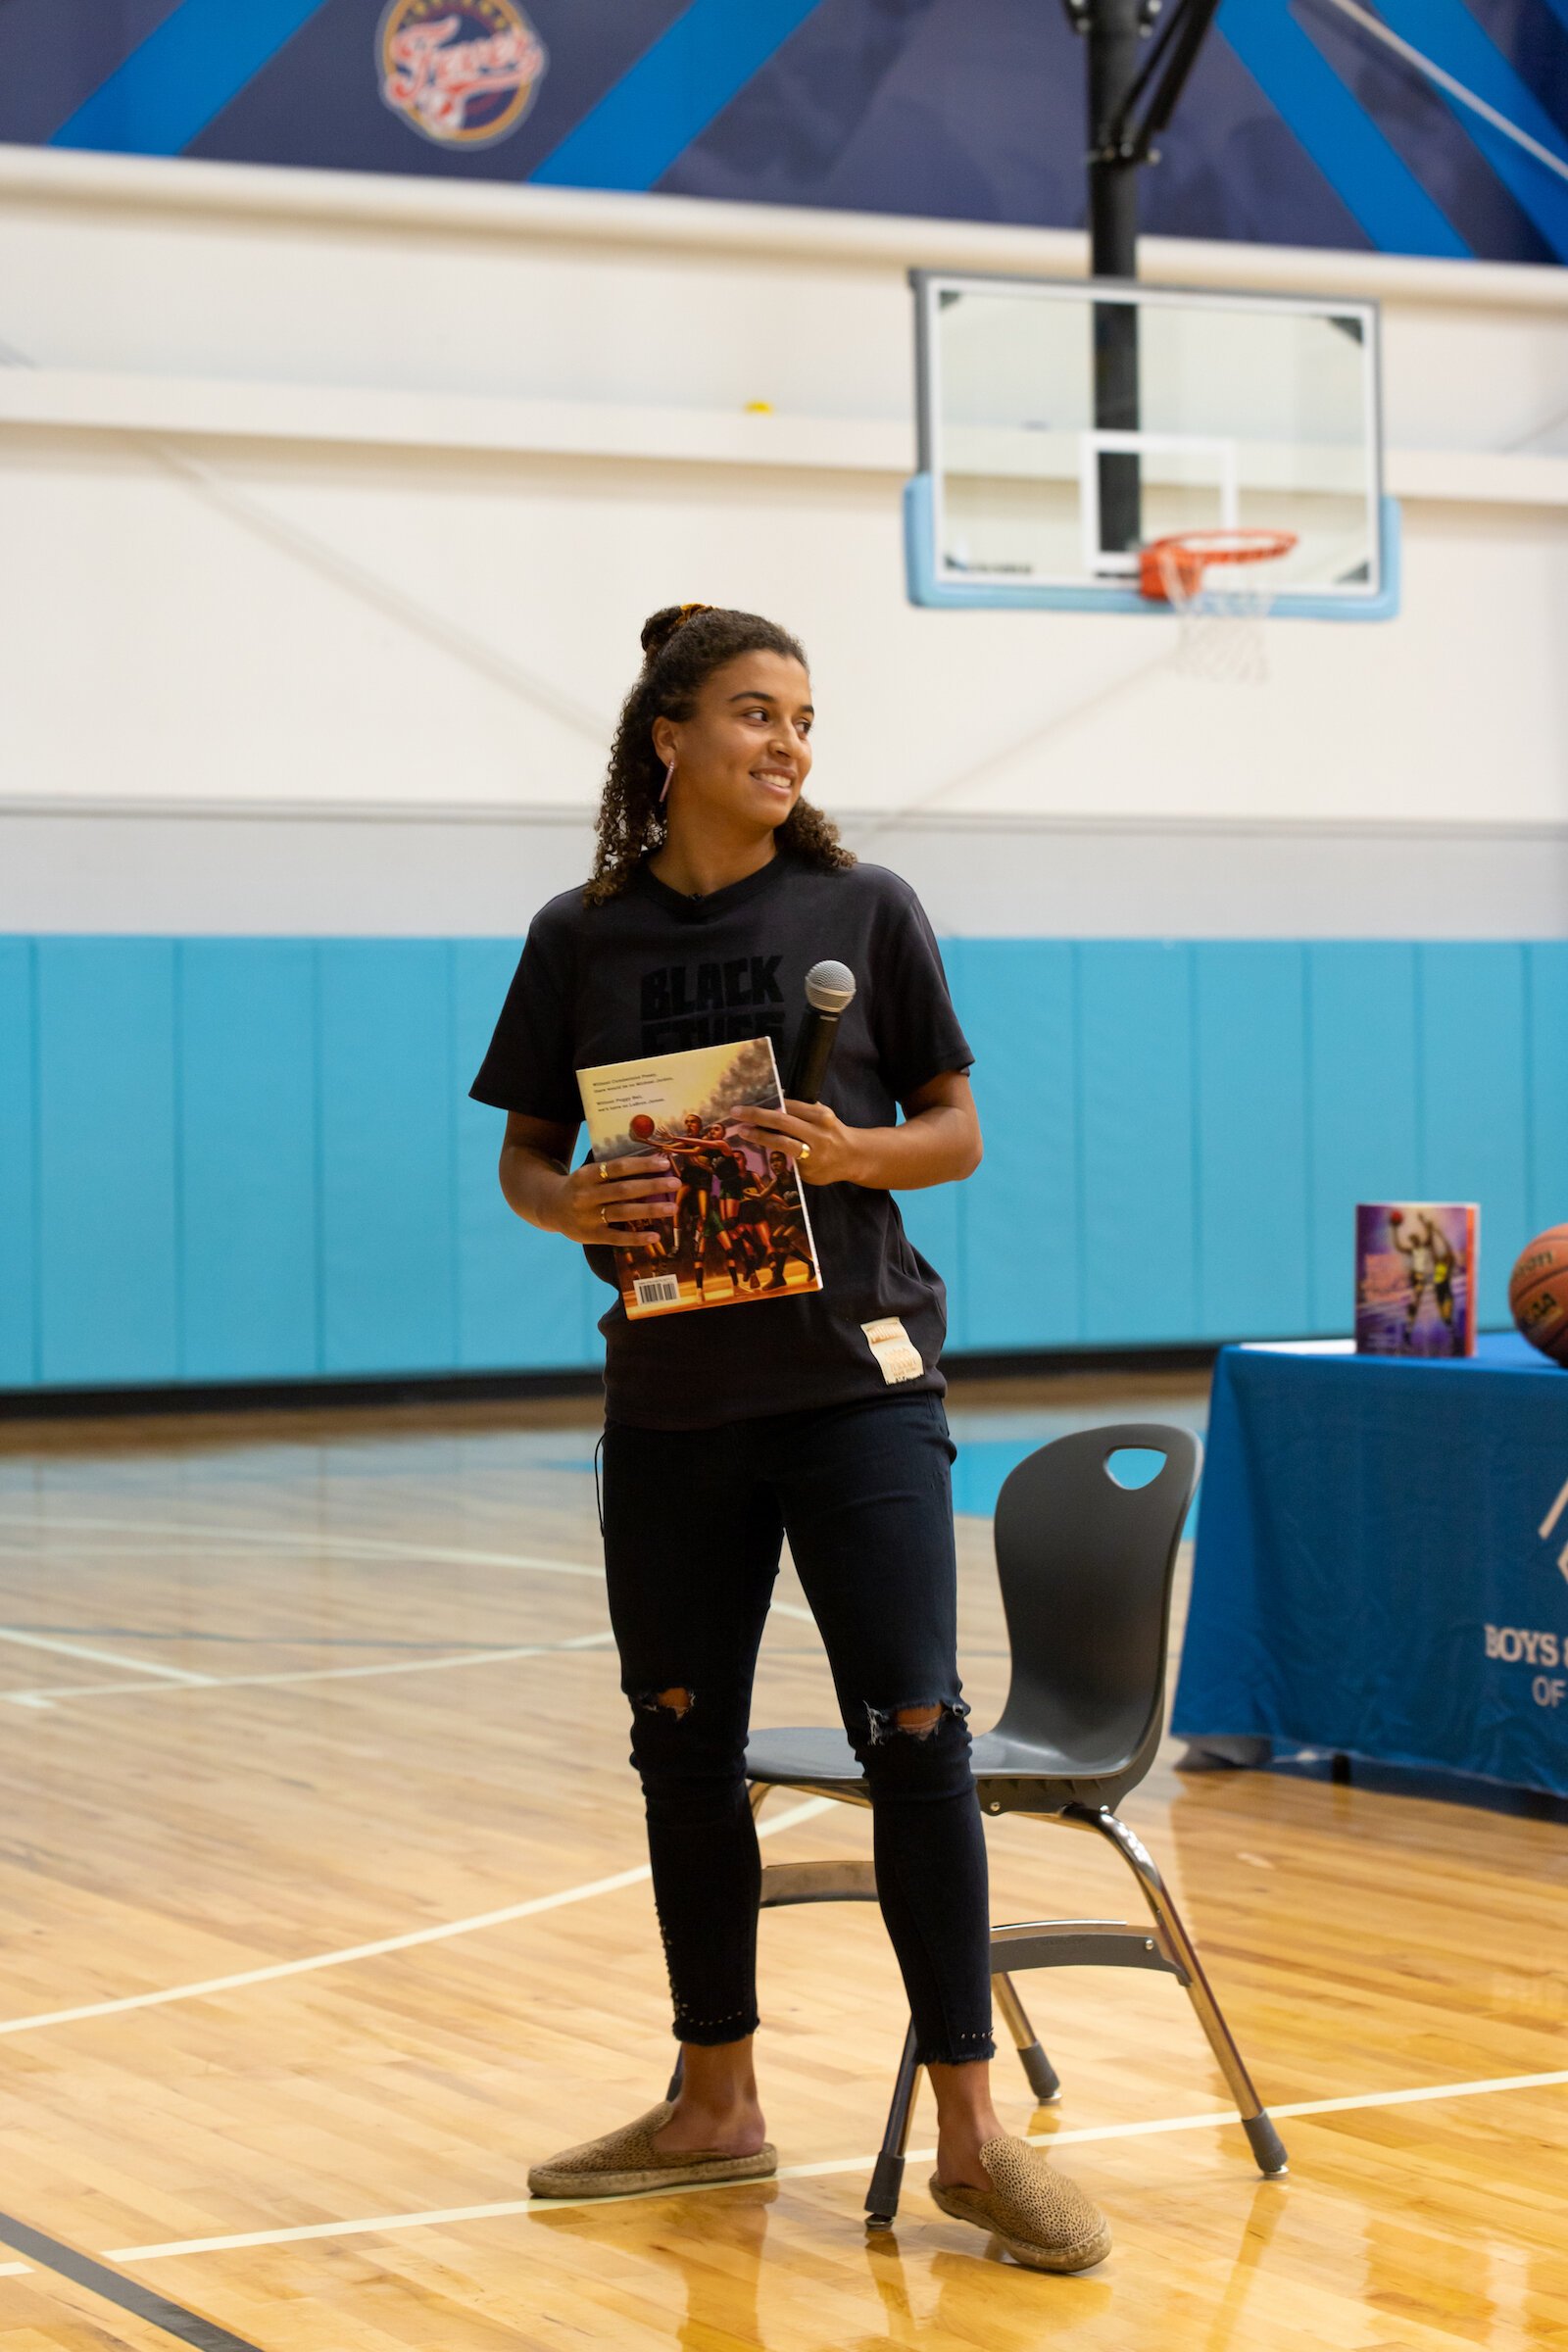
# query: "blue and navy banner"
1297, 128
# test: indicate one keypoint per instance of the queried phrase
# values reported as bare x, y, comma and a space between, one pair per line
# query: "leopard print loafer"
624, 2161
1041, 2219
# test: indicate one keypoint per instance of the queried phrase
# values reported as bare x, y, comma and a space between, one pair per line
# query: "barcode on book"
657, 1289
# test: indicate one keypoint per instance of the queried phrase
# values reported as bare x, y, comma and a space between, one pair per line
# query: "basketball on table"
1538, 1293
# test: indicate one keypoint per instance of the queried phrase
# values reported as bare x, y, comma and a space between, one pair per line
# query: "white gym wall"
333, 504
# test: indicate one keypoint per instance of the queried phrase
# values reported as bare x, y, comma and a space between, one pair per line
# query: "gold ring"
805, 1152
604, 1171
604, 1216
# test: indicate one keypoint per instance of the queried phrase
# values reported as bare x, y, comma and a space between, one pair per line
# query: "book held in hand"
1415, 1277
741, 1230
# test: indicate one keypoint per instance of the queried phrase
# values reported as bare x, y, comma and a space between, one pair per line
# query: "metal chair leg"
1041, 2074
887, 2177
1267, 2145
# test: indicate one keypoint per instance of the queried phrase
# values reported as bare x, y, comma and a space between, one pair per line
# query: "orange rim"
1183, 558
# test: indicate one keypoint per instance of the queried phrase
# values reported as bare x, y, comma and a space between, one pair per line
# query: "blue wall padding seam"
1446, 32
169, 88
1338, 134
672, 93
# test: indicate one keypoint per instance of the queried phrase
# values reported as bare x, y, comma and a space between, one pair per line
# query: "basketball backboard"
1064, 425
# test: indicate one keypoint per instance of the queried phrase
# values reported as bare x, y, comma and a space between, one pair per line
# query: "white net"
1221, 586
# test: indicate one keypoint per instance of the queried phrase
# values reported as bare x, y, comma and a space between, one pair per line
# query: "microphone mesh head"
830, 987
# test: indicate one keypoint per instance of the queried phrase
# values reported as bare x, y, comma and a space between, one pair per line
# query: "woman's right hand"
614, 1202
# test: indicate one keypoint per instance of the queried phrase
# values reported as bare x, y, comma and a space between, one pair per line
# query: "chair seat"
823, 1757
815, 1755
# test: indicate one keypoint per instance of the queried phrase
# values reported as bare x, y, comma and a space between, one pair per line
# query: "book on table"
740, 1229
1415, 1277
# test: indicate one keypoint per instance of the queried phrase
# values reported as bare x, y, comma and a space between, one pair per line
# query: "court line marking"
406, 1943
518, 2206
297, 1540
127, 2294
363, 1546
24, 1639
49, 1696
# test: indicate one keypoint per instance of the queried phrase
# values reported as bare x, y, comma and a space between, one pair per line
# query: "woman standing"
816, 1414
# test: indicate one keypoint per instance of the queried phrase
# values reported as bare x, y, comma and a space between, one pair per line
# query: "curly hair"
682, 647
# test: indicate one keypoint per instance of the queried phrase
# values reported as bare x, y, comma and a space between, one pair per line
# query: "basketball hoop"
1211, 582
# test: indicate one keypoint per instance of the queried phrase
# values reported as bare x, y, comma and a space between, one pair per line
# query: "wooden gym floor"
323, 1912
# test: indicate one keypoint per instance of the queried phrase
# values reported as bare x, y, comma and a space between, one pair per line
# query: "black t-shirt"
652, 972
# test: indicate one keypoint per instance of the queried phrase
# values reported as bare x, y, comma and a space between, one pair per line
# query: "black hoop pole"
1134, 86
1115, 32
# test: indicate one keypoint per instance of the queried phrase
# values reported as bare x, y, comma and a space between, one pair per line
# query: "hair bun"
660, 627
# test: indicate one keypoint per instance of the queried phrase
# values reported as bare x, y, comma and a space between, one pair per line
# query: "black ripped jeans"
694, 1522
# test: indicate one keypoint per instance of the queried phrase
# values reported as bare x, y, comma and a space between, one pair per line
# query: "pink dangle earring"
669, 777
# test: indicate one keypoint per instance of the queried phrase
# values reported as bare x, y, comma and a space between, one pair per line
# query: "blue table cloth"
1382, 1560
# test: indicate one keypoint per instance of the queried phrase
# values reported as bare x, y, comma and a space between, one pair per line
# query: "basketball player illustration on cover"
693, 1166
1415, 1277
774, 1218
731, 1178
713, 1177
1431, 1258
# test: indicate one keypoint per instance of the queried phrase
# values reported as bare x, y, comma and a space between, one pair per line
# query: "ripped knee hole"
919, 1722
914, 1721
676, 1701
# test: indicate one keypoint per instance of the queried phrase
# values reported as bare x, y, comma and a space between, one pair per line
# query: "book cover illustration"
1415, 1277
741, 1230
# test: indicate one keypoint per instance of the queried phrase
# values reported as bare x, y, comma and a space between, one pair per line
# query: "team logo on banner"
1549, 1526
463, 73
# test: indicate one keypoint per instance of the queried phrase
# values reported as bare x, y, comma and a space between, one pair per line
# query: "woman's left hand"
821, 1149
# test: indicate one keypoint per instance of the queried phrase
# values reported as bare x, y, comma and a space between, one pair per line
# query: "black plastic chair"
1085, 1567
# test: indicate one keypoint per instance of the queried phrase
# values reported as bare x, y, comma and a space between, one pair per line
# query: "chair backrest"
1085, 1566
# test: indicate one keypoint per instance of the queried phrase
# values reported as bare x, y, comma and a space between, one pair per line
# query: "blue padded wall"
1546, 1079
525, 1303
1137, 1222
107, 1161
250, 1221
1251, 1117
255, 1159
1020, 1212
1364, 1091
387, 1156
1473, 1056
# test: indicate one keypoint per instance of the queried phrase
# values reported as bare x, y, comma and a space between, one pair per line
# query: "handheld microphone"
829, 993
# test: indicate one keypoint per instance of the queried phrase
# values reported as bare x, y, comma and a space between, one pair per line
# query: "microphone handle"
812, 1048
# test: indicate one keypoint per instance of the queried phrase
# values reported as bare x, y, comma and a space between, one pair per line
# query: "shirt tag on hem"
896, 1352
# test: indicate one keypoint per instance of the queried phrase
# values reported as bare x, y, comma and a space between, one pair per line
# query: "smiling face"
742, 756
